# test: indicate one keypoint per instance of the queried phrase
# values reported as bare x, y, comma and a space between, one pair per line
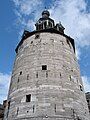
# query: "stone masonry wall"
53, 94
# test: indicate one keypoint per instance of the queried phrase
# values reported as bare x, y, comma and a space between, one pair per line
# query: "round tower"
46, 82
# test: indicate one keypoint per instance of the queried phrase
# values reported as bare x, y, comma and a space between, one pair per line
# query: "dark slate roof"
27, 34
46, 12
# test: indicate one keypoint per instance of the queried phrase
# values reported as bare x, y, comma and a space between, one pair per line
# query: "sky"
19, 15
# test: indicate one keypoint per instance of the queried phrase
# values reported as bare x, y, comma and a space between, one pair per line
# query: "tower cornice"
27, 34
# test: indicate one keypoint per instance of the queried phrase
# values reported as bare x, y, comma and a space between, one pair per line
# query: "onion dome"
45, 14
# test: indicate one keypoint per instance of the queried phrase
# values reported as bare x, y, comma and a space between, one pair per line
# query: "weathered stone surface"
56, 93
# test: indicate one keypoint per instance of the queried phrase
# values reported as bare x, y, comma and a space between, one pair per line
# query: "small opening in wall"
18, 79
37, 36
17, 110
55, 108
78, 118
81, 88
28, 98
70, 77
27, 76
33, 108
37, 75
20, 72
88, 101
31, 42
44, 67
71, 70
60, 75
46, 74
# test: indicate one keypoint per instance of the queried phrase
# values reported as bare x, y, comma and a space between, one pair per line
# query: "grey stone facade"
46, 82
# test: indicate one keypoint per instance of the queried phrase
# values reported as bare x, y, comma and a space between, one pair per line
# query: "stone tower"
46, 82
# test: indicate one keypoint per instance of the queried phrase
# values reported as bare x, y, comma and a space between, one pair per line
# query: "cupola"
44, 22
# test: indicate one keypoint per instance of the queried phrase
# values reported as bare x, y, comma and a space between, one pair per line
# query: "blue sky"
17, 15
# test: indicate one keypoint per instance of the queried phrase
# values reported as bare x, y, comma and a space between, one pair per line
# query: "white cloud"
75, 18
78, 53
27, 11
86, 83
72, 13
4, 86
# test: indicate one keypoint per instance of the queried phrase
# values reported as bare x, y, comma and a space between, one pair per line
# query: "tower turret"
45, 22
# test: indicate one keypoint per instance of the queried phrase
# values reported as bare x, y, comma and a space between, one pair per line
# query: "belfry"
46, 82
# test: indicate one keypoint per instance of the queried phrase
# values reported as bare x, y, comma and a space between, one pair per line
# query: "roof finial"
45, 8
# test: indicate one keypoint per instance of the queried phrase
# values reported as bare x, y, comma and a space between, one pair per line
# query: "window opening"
70, 77
17, 110
50, 24
60, 74
18, 79
37, 75
46, 74
33, 108
27, 76
40, 27
28, 98
31, 42
37, 36
88, 101
44, 67
55, 108
20, 72
81, 88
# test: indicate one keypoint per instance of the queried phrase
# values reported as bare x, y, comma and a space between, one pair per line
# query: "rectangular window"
28, 98
37, 75
44, 67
